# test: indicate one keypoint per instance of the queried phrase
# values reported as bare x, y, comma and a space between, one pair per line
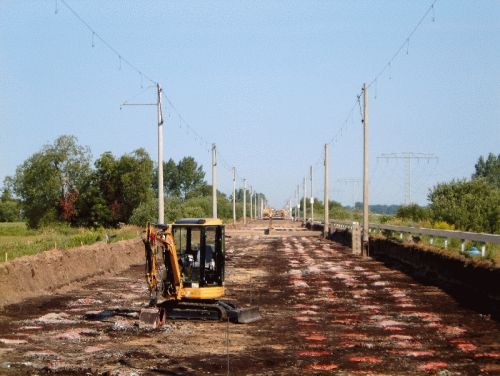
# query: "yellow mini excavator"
186, 281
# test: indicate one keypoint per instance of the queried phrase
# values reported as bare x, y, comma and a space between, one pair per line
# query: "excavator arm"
171, 275
151, 263
171, 263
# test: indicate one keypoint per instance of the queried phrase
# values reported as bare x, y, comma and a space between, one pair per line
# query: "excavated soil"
325, 311
32, 276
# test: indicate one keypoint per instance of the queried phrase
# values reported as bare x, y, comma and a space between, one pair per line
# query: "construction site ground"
324, 311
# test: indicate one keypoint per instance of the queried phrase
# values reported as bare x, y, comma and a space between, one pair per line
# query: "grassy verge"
16, 240
453, 248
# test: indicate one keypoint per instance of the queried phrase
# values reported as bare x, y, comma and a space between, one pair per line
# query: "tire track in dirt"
357, 316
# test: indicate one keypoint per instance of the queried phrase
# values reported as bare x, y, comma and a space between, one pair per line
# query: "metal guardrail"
446, 234
462, 235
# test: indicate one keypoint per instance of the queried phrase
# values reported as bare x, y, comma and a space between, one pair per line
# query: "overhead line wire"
405, 43
142, 75
108, 45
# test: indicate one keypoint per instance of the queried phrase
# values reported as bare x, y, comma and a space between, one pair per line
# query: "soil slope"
32, 276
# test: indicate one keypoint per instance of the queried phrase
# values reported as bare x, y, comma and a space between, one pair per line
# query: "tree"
48, 181
469, 205
135, 172
384, 209
203, 190
184, 179
412, 212
197, 207
9, 208
488, 169
92, 205
116, 188
171, 184
106, 177
171, 181
239, 194
144, 213
191, 176
336, 210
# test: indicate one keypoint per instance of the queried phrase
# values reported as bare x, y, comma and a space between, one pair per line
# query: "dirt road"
324, 311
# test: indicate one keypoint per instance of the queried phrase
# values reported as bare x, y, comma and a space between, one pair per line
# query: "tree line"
467, 204
60, 183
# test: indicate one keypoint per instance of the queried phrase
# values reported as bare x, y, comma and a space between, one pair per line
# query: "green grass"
17, 240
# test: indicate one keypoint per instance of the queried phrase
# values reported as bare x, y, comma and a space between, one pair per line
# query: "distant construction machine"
267, 213
280, 214
188, 280
275, 213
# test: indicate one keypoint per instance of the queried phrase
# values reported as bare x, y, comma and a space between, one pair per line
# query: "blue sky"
270, 82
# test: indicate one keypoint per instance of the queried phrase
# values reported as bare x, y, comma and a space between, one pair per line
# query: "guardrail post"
356, 238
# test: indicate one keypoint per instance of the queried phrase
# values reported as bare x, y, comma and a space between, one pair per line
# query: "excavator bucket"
149, 318
240, 315
246, 315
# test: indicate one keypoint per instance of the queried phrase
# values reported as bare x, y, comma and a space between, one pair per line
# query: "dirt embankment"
31, 276
473, 283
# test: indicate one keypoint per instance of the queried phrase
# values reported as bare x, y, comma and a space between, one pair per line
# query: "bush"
442, 225
412, 212
145, 212
468, 205
9, 211
385, 219
193, 212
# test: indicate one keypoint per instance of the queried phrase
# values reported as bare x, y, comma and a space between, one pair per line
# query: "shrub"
442, 225
412, 212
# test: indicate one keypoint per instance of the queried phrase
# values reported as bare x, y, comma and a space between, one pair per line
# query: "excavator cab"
186, 280
200, 251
